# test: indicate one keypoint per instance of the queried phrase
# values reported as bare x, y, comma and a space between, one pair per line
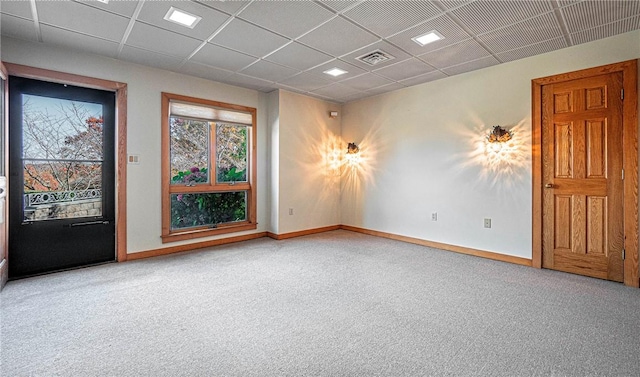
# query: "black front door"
61, 176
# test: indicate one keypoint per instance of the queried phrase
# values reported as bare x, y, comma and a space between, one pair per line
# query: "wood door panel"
587, 265
596, 98
596, 225
563, 213
563, 103
596, 148
564, 150
578, 230
582, 167
590, 186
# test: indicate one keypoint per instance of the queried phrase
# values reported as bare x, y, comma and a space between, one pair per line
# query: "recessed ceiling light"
335, 72
427, 38
181, 17
104, 1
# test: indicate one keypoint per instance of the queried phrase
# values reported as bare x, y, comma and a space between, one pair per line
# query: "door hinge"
623, 174
624, 254
622, 94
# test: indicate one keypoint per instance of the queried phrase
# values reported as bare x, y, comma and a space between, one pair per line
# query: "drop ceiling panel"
451, 32
387, 47
427, 77
471, 66
228, 7
82, 18
614, 28
455, 54
269, 71
162, 41
355, 97
306, 82
534, 49
17, 8
589, 14
525, 33
242, 36
338, 90
124, 8
205, 71
153, 13
289, 18
338, 37
484, 16
250, 82
149, 58
451, 4
404, 69
352, 70
385, 88
18, 27
330, 34
339, 5
366, 82
386, 18
68, 39
222, 58
298, 56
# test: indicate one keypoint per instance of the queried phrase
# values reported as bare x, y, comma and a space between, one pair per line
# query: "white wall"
423, 151
143, 127
309, 175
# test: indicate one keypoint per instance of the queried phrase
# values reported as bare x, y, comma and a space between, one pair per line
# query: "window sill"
199, 233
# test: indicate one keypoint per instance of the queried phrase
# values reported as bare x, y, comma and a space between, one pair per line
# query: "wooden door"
582, 176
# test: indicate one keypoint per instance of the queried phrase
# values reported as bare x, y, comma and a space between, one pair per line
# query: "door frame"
630, 125
120, 90
4, 230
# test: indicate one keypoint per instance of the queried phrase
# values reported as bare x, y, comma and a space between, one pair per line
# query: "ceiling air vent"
375, 57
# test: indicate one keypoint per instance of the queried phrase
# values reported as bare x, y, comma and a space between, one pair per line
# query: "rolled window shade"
207, 113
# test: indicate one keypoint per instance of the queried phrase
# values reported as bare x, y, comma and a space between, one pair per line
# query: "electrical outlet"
290, 211
434, 216
487, 223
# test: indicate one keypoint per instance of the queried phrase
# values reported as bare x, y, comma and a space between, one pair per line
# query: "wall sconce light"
333, 114
499, 135
352, 148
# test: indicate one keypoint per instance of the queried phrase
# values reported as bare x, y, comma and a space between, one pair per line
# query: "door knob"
549, 185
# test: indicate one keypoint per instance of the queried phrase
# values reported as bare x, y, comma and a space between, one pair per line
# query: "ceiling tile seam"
518, 22
259, 60
36, 21
469, 61
464, 27
431, 65
444, 9
603, 25
348, 8
563, 23
257, 78
100, 9
77, 32
16, 16
418, 24
213, 35
132, 22
161, 54
204, 4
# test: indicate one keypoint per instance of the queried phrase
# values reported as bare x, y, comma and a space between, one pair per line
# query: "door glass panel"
62, 158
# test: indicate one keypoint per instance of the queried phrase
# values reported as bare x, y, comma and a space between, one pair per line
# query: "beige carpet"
333, 304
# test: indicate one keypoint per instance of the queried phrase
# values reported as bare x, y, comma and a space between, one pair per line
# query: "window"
209, 168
